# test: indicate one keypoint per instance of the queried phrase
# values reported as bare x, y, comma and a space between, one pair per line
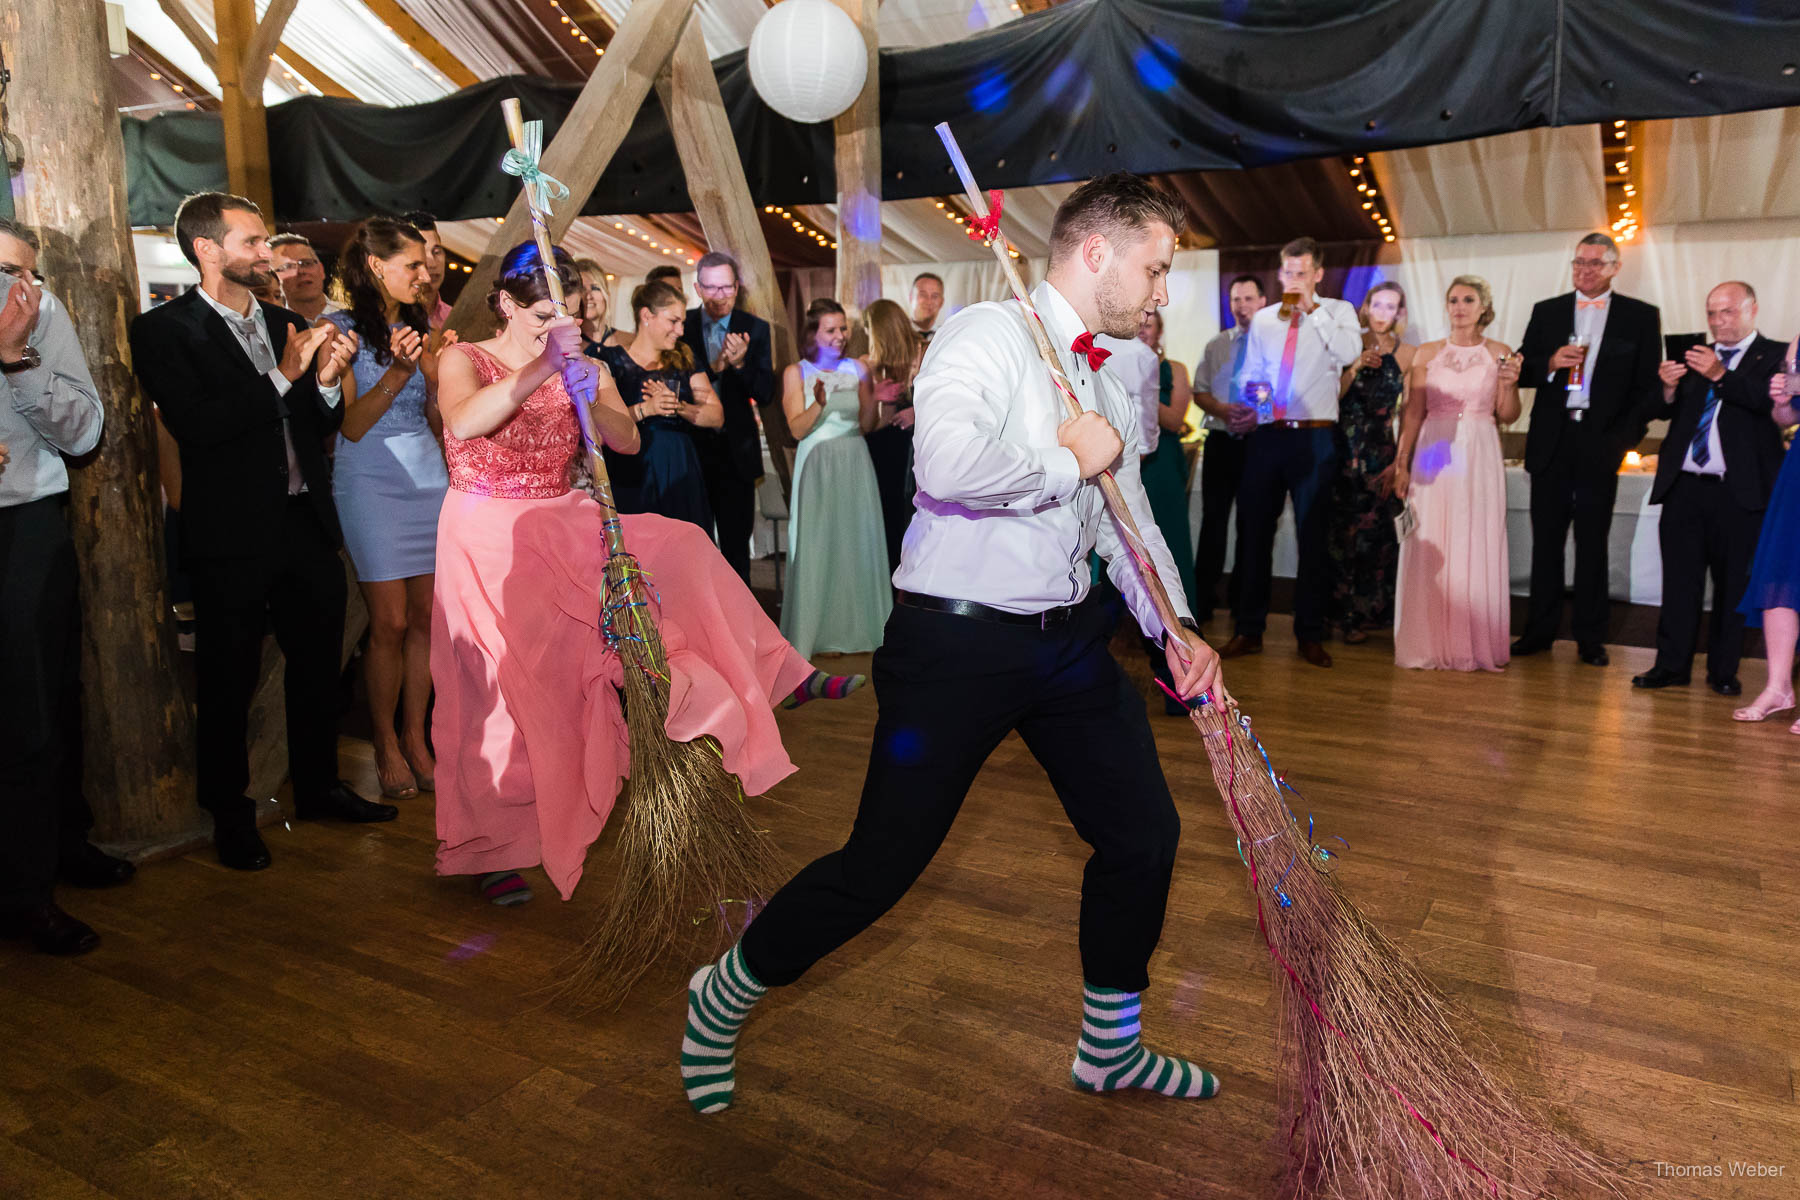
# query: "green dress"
839, 591
1164, 472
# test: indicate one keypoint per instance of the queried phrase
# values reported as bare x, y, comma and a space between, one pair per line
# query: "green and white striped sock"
1110, 1056
720, 996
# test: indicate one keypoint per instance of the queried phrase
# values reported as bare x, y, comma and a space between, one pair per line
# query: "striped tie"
1701, 446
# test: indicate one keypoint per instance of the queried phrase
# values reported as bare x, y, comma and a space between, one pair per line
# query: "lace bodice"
1459, 382
527, 458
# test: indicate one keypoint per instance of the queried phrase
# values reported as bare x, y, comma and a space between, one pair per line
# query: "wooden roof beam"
421, 43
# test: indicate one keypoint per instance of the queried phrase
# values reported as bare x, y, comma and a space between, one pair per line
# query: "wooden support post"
858, 132
721, 196
138, 726
584, 144
246, 123
191, 29
422, 43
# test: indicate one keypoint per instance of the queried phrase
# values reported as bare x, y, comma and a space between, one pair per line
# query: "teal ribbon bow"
522, 161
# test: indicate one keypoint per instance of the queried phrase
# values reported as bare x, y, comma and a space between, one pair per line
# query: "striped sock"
1110, 1056
505, 888
719, 998
820, 686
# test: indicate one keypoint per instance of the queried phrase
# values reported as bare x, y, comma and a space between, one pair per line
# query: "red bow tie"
1095, 355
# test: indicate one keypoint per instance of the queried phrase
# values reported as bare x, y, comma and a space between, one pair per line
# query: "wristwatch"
31, 360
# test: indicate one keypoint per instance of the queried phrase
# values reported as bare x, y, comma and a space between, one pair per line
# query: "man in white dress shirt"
994, 631
1229, 421
1300, 354
1135, 365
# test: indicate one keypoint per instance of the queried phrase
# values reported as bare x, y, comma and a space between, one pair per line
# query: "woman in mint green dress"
838, 589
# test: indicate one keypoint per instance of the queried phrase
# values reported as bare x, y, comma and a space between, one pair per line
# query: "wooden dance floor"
1610, 880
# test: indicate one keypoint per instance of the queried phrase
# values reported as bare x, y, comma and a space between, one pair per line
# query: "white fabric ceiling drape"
1513, 183
1729, 168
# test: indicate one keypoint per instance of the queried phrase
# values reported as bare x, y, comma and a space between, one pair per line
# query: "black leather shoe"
339, 803
1241, 644
1659, 677
50, 929
88, 866
240, 847
1529, 645
1594, 656
1726, 687
1313, 653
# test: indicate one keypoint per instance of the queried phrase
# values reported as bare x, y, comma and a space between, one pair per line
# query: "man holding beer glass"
1592, 354
1296, 355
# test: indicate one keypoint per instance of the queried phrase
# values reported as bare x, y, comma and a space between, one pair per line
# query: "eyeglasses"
721, 289
293, 266
1591, 263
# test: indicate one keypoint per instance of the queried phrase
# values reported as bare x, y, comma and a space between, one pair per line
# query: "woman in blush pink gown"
528, 725
1452, 600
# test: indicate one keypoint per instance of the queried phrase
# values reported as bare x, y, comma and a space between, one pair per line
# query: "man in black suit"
1713, 479
734, 346
250, 394
1593, 403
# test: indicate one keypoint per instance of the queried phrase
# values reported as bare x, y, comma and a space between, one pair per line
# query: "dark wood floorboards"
1607, 879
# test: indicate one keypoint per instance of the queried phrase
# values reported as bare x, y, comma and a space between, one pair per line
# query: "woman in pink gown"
528, 726
1452, 600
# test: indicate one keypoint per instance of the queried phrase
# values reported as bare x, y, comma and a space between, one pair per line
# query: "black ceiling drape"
1153, 86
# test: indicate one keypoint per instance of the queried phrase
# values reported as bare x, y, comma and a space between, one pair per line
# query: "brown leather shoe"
1314, 653
1240, 645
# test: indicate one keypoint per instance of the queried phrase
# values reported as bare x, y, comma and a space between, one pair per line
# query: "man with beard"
994, 630
249, 393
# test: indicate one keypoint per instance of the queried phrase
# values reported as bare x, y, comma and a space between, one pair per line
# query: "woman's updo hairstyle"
522, 277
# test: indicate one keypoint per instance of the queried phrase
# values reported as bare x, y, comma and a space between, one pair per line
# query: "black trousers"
950, 689
1703, 530
891, 450
43, 811
1578, 487
1221, 475
733, 502
1279, 463
295, 586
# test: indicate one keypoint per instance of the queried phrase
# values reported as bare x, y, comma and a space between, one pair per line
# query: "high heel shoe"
1759, 712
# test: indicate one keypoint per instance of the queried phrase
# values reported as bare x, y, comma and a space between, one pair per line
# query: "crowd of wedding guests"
302, 416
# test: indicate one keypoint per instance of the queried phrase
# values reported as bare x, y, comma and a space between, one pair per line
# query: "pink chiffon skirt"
528, 727
1452, 602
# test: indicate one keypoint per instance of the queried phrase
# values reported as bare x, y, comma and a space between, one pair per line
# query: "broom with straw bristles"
1382, 1098
688, 851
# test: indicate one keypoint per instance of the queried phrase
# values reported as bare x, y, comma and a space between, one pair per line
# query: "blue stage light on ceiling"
1070, 86
990, 92
1151, 69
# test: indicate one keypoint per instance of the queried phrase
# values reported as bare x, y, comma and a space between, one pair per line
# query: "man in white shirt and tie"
1229, 420
1298, 352
1582, 423
994, 631
1714, 476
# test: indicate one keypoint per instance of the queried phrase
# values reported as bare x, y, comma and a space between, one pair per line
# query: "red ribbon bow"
988, 228
1095, 355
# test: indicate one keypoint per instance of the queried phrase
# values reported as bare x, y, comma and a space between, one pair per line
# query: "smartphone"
1676, 345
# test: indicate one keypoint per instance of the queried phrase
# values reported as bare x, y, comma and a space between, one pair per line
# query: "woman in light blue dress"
838, 589
388, 482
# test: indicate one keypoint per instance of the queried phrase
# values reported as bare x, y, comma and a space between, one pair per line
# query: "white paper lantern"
807, 60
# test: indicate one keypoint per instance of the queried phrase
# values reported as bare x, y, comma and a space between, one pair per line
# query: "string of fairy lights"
1619, 152
1372, 204
802, 227
575, 29
948, 206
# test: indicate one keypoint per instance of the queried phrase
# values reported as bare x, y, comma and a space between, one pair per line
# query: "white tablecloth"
1634, 558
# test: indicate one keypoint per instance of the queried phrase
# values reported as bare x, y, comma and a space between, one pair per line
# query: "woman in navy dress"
388, 481
669, 396
1773, 598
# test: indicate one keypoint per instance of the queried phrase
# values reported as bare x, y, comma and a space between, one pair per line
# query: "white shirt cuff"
1062, 475
332, 394
282, 382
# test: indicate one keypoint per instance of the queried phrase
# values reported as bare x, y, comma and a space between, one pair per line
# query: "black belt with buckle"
1048, 619
1577, 414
